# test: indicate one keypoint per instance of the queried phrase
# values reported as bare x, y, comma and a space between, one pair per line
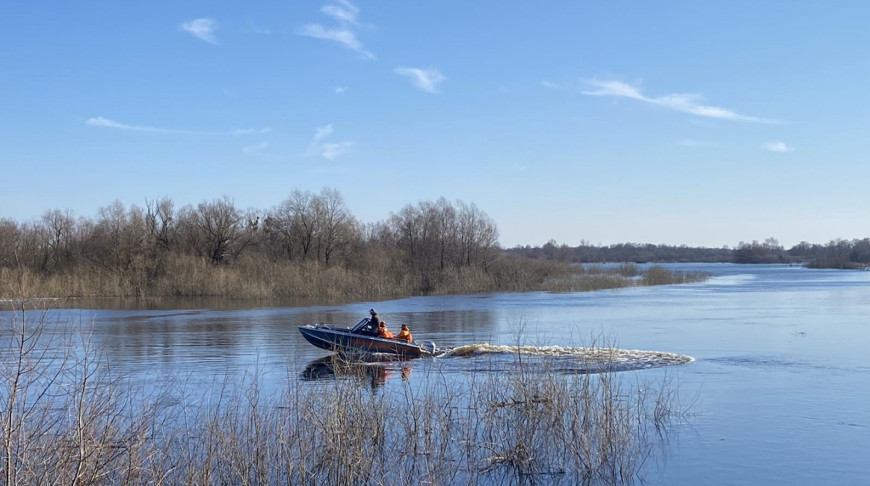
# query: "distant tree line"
623, 252
836, 254
309, 244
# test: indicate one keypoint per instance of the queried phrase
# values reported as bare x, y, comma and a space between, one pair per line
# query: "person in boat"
376, 319
373, 325
383, 331
405, 334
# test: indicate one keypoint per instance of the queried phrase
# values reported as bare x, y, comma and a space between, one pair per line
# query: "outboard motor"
429, 346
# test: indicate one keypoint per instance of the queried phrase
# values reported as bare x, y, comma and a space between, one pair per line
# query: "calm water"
779, 388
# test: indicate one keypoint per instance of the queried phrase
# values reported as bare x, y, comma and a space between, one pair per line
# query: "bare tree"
338, 228
303, 207
447, 231
435, 235
57, 230
159, 221
478, 235
9, 237
295, 223
118, 238
249, 233
278, 229
219, 224
408, 229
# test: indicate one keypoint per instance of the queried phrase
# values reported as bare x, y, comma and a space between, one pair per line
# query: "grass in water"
67, 418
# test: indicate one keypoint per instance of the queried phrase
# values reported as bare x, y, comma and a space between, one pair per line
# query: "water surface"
778, 387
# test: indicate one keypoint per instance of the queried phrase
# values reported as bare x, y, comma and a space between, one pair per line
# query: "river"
777, 393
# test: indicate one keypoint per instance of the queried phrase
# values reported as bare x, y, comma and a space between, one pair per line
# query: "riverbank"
255, 280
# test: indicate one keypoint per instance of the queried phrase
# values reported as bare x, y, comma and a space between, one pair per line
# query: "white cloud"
322, 132
331, 151
345, 37
107, 123
549, 84
690, 142
257, 147
345, 13
341, 89
426, 79
201, 29
327, 150
780, 147
684, 102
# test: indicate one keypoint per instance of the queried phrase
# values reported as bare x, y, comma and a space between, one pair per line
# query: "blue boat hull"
346, 342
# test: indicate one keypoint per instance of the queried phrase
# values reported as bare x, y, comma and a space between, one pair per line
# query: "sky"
674, 122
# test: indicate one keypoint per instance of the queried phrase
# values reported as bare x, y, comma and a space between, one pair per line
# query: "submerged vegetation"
308, 246
67, 418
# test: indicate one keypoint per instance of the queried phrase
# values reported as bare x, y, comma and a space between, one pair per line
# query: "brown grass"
257, 279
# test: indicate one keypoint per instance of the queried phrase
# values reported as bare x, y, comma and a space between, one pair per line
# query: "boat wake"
571, 359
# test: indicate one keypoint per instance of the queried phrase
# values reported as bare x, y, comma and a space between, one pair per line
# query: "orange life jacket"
406, 335
385, 333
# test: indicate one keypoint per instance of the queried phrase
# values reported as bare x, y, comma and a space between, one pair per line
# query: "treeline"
836, 254
843, 254
622, 252
309, 245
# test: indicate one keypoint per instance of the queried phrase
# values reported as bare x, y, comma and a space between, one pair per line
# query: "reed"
67, 418
255, 278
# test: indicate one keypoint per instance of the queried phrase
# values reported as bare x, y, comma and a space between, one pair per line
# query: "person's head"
372, 312
382, 324
405, 327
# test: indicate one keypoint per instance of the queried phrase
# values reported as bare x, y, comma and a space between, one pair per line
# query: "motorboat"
362, 339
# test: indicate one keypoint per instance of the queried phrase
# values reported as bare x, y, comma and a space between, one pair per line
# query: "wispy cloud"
780, 147
327, 150
331, 151
426, 79
257, 147
341, 89
252, 28
342, 11
107, 123
322, 132
246, 131
201, 29
345, 37
346, 14
549, 84
684, 102
691, 142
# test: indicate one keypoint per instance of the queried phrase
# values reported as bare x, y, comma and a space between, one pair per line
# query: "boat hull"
344, 341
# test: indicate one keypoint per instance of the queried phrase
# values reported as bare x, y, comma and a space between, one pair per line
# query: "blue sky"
698, 123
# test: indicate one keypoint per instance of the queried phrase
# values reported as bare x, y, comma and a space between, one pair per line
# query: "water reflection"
183, 340
374, 369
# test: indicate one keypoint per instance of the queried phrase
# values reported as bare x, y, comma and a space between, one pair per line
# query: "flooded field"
768, 361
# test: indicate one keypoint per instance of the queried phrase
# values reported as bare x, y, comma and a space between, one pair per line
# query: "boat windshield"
361, 325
